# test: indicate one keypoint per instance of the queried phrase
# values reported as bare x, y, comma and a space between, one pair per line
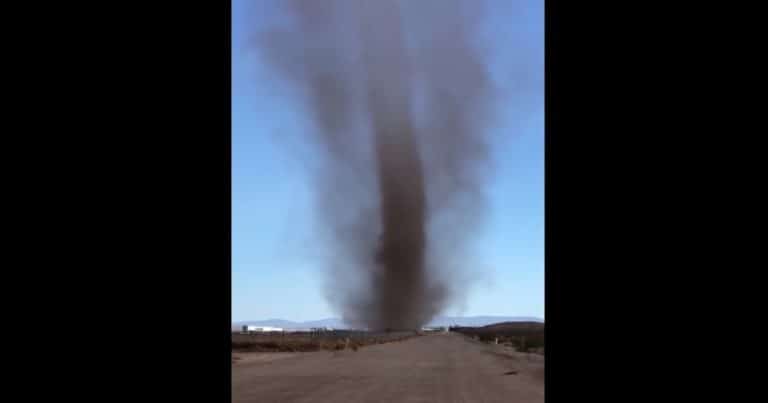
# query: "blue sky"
274, 270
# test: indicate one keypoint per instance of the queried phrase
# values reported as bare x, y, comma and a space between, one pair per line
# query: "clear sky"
274, 274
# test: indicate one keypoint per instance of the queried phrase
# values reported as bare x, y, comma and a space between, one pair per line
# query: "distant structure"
316, 331
260, 329
434, 329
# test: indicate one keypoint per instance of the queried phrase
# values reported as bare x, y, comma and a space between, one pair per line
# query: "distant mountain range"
337, 323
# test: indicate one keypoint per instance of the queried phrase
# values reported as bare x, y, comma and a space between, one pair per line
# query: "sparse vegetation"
307, 341
523, 336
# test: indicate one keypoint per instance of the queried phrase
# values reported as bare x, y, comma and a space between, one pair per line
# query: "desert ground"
445, 367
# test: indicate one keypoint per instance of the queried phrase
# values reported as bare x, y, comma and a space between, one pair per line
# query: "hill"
477, 321
514, 326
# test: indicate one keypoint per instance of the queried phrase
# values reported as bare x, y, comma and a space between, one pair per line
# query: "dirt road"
434, 368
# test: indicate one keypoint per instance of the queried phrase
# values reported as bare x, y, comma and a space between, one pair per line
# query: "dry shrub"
309, 342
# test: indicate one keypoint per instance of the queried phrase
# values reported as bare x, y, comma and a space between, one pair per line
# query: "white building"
260, 329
